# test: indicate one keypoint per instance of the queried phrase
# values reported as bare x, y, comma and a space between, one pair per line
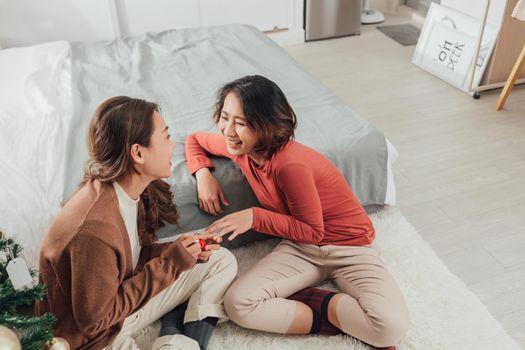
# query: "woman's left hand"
212, 243
237, 223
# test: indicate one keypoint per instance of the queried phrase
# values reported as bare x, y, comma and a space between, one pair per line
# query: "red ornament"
202, 243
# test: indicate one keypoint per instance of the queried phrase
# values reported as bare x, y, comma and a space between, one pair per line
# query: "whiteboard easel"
480, 88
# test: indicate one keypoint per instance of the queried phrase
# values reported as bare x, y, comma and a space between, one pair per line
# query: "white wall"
476, 8
27, 22
139, 16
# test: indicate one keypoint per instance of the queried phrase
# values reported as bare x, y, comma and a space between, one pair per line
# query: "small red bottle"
202, 243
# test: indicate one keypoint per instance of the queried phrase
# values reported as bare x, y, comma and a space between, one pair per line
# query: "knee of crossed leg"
240, 305
390, 330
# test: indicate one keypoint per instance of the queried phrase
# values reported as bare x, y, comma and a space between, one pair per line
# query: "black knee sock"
201, 331
172, 322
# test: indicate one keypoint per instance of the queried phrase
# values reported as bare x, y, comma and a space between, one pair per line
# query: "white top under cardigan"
129, 211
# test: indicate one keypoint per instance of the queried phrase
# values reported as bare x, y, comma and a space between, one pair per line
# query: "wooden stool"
511, 80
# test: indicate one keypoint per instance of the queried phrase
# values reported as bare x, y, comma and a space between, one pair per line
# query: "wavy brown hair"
116, 125
265, 108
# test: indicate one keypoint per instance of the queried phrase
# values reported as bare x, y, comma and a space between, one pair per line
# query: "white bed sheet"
31, 140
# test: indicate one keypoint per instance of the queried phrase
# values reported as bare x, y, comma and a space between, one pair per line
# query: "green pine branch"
33, 331
36, 338
23, 321
10, 299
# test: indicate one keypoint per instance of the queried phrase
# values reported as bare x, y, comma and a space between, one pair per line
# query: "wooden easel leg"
511, 80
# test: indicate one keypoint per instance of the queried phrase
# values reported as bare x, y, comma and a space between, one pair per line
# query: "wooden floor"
460, 173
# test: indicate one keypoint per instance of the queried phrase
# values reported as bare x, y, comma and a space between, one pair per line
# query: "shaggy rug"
444, 313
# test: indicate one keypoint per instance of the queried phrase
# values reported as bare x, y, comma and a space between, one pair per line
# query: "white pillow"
34, 89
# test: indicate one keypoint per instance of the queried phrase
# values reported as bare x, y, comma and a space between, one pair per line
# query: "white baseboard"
287, 37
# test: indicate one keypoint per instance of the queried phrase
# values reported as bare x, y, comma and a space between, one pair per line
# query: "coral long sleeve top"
305, 197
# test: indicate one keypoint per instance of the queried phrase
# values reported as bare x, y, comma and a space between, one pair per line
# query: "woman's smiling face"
240, 137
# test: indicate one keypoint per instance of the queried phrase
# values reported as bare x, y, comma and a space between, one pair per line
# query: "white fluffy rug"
444, 313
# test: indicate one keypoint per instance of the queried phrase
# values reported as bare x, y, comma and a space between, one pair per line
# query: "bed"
57, 86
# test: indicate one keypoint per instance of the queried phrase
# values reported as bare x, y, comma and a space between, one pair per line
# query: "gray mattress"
181, 70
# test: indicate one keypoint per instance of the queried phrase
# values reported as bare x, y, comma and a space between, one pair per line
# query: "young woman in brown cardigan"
106, 276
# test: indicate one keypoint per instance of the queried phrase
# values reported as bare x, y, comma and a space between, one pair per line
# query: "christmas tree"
33, 331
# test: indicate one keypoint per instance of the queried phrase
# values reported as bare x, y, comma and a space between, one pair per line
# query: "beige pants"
373, 312
204, 285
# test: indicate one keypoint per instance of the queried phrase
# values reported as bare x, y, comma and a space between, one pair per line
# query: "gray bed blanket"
181, 70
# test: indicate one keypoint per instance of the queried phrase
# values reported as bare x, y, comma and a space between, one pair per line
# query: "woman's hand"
188, 243
209, 192
212, 243
237, 223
